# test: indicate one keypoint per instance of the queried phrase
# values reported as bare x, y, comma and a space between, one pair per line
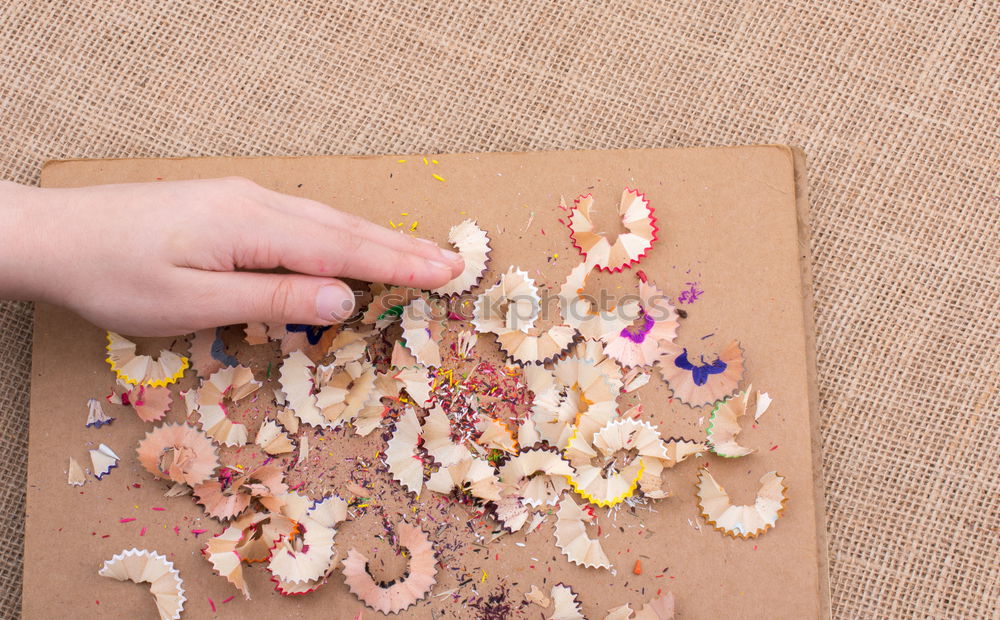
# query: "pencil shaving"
746, 521
724, 426
401, 455
581, 312
273, 440
473, 245
438, 439
226, 498
496, 435
344, 392
417, 382
208, 353
566, 602
473, 473
526, 349
702, 383
387, 304
629, 248
149, 403
511, 512
255, 334
659, 608
221, 550
74, 474
422, 333
305, 558
347, 346
512, 304
572, 540
401, 594
211, 402
373, 410
297, 378
103, 460
606, 485
142, 566
178, 452
653, 334
537, 475
134, 369
538, 597
96, 417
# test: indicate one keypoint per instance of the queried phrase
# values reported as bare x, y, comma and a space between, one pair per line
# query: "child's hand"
169, 258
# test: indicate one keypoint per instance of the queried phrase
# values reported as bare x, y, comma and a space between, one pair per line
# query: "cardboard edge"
30, 491
53, 163
808, 309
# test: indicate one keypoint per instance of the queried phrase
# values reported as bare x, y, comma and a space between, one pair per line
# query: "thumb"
243, 297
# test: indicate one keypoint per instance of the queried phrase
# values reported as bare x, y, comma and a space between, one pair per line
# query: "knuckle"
401, 271
282, 300
349, 247
356, 242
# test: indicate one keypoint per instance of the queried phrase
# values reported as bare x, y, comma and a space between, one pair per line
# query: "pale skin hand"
169, 258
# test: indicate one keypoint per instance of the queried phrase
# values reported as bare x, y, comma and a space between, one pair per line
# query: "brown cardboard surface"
731, 219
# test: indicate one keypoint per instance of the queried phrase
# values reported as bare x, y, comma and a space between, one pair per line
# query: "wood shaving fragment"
103, 460
96, 418
538, 597
74, 475
273, 440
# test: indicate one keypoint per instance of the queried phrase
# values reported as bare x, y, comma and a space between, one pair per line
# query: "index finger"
357, 225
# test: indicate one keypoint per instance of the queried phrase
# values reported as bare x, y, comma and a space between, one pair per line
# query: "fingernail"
451, 257
439, 265
422, 240
334, 303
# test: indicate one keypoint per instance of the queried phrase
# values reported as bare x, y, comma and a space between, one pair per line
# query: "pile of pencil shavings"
553, 441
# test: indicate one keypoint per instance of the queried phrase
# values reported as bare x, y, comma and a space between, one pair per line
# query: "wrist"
21, 243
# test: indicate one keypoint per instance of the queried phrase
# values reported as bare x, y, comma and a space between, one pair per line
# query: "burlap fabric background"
895, 102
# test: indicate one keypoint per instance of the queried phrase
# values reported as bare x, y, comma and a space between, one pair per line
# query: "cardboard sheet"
732, 227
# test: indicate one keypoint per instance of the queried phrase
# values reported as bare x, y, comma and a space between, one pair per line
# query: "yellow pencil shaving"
485, 575
425, 161
611, 501
414, 227
434, 161
438, 177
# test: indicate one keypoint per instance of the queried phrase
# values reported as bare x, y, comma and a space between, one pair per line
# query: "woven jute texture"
895, 102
